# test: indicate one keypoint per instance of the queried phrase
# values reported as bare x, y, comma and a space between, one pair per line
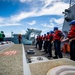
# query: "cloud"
49, 7
1, 20
33, 28
57, 21
48, 26
32, 23
23, 31
45, 9
52, 10
55, 9
21, 16
54, 22
25, 1
22, 1
47, 3
8, 22
44, 31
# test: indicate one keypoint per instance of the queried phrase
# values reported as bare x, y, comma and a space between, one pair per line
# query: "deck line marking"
26, 69
15, 52
10, 52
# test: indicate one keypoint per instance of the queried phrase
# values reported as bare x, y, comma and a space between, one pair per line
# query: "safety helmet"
2, 32
44, 34
51, 32
47, 32
55, 28
72, 22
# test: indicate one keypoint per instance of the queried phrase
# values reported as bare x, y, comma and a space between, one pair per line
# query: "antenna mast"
70, 3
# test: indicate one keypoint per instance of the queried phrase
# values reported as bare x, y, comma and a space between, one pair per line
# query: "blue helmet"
47, 32
44, 34
72, 22
55, 28
51, 32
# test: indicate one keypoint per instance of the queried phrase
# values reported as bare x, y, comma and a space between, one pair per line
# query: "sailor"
19, 38
45, 44
47, 41
42, 38
2, 35
40, 42
37, 41
71, 38
58, 36
48, 36
50, 39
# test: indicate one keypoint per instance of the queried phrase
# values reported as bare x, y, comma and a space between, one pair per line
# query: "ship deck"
13, 61
41, 53
41, 68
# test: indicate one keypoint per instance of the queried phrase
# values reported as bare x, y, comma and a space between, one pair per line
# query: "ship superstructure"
69, 15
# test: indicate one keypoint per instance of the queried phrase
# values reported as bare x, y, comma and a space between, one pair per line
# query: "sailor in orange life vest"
71, 38
50, 39
40, 42
47, 41
47, 38
19, 38
37, 41
45, 44
58, 36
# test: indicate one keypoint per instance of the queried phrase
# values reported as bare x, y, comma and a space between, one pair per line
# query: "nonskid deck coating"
11, 64
40, 53
42, 68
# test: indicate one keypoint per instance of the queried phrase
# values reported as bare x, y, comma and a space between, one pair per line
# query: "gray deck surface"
4, 46
40, 53
11, 64
43, 67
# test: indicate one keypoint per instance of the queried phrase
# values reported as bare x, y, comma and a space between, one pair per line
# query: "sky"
18, 15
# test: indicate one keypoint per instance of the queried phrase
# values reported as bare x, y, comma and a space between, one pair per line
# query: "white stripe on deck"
26, 70
6, 46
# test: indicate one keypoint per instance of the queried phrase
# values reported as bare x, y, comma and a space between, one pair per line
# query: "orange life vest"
51, 37
19, 36
72, 32
56, 35
44, 38
48, 36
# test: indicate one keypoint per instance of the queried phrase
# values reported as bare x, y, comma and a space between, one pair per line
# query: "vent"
68, 19
67, 10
